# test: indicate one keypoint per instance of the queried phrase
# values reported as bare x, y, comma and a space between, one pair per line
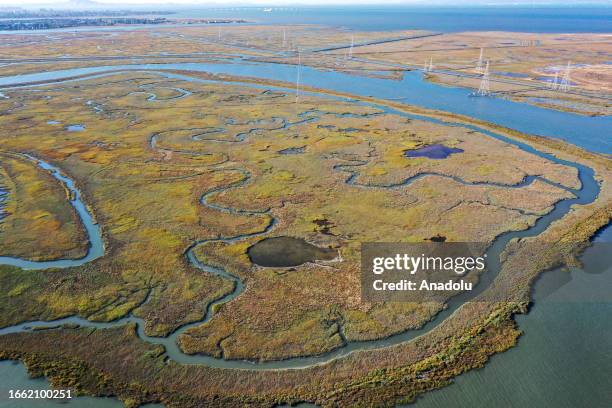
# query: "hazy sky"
217, 3
208, 3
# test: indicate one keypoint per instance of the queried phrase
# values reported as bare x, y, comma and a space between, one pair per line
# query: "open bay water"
564, 357
517, 18
13, 376
543, 19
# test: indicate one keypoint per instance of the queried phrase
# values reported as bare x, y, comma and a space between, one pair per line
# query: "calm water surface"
13, 376
435, 151
541, 19
447, 19
564, 357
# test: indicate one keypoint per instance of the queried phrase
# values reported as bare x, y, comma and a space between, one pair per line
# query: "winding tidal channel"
585, 132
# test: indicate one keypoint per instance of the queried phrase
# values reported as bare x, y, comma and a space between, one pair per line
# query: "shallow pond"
287, 251
434, 151
293, 150
75, 128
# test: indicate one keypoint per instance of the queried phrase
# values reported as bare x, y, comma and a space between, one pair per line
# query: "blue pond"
434, 151
75, 128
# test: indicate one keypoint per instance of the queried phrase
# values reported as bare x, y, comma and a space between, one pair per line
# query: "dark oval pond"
434, 151
293, 150
287, 251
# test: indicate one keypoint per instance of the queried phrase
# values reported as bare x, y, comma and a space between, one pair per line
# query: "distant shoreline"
37, 24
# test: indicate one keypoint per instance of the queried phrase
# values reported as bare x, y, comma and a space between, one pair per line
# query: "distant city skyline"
294, 3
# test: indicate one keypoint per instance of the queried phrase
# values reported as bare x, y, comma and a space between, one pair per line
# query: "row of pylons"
482, 69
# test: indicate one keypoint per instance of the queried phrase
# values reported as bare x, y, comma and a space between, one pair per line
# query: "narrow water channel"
96, 245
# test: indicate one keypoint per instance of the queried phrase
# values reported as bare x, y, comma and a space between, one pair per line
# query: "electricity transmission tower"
564, 86
480, 64
484, 89
555, 82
